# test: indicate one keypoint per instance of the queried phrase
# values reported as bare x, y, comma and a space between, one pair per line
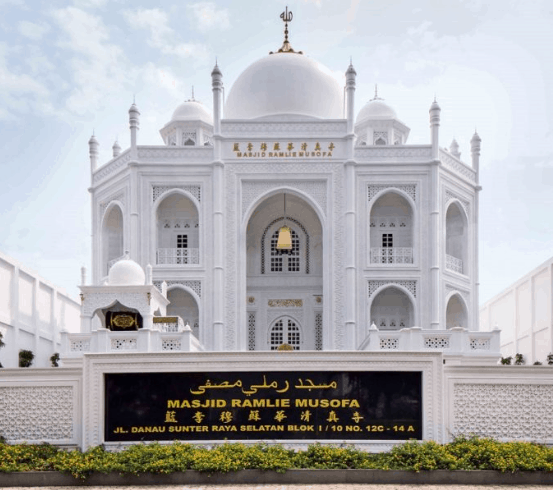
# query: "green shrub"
506, 361
55, 359
464, 453
26, 358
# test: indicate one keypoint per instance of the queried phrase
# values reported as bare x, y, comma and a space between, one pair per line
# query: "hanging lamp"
284, 241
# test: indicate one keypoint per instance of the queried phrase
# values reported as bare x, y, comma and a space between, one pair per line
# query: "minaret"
434, 129
217, 87
454, 149
116, 149
352, 335
435, 236
475, 153
93, 152
350, 96
134, 124
218, 293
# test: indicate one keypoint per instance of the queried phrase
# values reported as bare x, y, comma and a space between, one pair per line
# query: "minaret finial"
134, 98
376, 97
286, 16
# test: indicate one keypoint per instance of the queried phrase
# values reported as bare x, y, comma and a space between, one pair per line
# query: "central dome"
285, 83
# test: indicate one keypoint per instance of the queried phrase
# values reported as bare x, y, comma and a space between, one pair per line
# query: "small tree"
54, 359
26, 358
506, 361
519, 360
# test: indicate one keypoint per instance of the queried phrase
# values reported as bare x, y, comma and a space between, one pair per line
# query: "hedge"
461, 454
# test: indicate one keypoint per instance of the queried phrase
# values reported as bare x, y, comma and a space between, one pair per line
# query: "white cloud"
208, 17
98, 67
162, 36
33, 31
20, 92
89, 3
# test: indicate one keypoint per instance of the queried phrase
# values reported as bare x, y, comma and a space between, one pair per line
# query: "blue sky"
70, 68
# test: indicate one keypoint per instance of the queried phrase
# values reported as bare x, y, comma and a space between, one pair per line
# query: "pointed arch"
456, 311
176, 215
184, 303
456, 238
285, 329
392, 307
113, 233
391, 227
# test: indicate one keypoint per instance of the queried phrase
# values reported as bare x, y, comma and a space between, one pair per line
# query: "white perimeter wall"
503, 402
523, 312
32, 313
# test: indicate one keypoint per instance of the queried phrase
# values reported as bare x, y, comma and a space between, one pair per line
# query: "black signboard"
320, 405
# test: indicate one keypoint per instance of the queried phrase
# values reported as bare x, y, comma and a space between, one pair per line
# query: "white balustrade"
455, 341
392, 255
453, 264
178, 256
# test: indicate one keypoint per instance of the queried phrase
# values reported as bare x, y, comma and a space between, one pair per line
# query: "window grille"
318, 331
251, 330
380, 138
189, 138
387, 240
285, 331
270, 246
292, 261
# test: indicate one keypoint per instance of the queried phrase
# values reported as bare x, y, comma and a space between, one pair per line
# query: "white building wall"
523, 313
33, 312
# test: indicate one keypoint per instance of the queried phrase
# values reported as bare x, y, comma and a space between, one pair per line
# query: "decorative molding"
285, 127
111, 167
37, 413
296, 315
457, 166
411, 286
194, 285
409, 189
399, 153
449, 195
120, 196
285, 303
314, 188
503, 411
233, 171
172, 154
451, 288
195, 190
95, 301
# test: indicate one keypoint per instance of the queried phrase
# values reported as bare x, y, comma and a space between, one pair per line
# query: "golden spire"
286, 47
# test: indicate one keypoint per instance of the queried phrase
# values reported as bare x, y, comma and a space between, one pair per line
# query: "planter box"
437, 477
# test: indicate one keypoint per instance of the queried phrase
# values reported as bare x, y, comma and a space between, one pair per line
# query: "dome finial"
193, 92
286, 47
376, 97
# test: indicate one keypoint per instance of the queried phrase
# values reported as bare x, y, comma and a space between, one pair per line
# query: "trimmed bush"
462, 454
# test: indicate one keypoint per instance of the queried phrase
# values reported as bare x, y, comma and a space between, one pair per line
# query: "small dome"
285, 83
192, 110
126, 272
376, 109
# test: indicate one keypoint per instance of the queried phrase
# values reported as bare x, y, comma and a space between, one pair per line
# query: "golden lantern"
284, 241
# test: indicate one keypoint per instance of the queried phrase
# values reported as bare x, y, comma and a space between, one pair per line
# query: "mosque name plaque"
322, 405
283, 150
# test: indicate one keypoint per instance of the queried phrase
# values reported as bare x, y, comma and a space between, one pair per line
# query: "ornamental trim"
373, 286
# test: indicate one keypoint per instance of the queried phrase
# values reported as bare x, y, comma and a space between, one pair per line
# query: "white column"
218, 298
436, 296
475, 154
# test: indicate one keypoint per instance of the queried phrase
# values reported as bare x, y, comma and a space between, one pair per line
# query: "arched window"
285, 260
284, 331
294, 260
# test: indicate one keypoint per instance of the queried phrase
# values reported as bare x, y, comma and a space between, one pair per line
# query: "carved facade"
385, 232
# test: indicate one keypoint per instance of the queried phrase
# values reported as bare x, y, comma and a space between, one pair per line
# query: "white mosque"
283, 220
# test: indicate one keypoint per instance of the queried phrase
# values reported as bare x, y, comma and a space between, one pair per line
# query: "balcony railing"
453, 264
392, 255
177, 256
